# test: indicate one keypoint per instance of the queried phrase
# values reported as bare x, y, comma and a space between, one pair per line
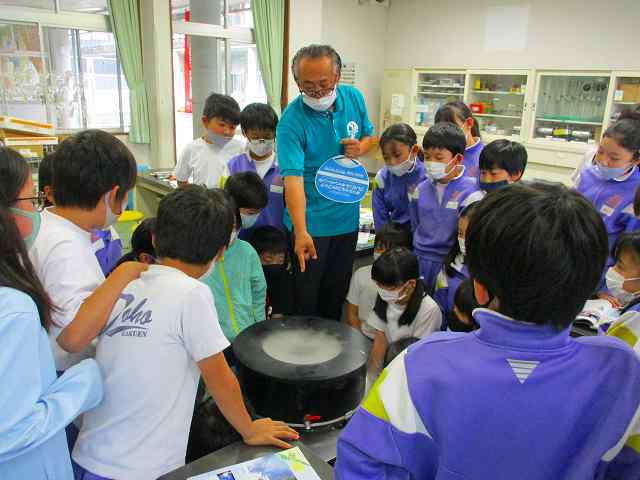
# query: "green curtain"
125, 23
268, 22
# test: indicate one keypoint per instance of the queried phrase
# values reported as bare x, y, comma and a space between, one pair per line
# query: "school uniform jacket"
390, 201
509, 401
446, 287
435, 223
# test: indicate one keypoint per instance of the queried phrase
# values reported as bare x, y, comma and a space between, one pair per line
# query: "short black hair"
504, 154
445, 135
393, 235
223, 107
464, 298
141, 242
396, 348
89, 164
193, 224
14, 172
268, 239
454, 251
399, 132
247, 190
627, 242
258, 116
539, 250
315, 51
452, 111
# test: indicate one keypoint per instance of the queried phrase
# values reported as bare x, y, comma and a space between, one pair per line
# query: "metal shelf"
491, 115
575, 122
442, 94
439, 86
490, 92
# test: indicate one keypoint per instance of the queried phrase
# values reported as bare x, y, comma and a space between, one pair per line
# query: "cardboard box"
630, 92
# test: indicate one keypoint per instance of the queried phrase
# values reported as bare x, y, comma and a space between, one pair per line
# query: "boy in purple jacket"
519, 398
434, 205
258, 122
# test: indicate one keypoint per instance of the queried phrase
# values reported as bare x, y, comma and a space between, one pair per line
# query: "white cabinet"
557, 114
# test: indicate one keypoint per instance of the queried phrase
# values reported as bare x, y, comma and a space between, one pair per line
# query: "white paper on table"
286, 464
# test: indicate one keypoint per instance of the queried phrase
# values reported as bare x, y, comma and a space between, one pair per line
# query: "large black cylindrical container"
302, 369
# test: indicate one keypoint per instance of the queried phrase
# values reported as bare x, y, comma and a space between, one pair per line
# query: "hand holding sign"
351, 147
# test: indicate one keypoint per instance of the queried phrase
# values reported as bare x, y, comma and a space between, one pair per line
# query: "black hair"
465, 300
636, 203
258, 116
141, 242
268, 239
248, 191
454, 112
539, 250
315, 51
626, 131
193, 224
455, 248
396, 348
223, 107
445, 135
393, 235
629, 242
16, 269
394, 268
399, 132
504, 154
89, 164
14, 172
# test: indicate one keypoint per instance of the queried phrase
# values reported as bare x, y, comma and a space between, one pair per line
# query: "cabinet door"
432, 89
569, 108
625, 93
498, 100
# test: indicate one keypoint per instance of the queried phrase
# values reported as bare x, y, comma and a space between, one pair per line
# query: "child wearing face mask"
611, 183
455, 270
436, 203
93, 174
106, 243
237, 280
623, 277
402, 309
204, 160
460, 114
403, 170
258, 122
362, 290
271, 246
502, 162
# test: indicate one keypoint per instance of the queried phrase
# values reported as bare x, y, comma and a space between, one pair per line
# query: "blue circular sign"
343, 180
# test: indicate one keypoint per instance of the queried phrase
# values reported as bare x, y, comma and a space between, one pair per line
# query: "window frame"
63, 19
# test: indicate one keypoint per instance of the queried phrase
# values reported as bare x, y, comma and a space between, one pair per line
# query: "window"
69, 77
84, 6
212, 59
44, 4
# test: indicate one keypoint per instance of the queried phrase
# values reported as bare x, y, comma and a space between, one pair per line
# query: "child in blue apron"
611, 183
436, 202
403, 169
460, 114
258, 122
455, 269
502, 162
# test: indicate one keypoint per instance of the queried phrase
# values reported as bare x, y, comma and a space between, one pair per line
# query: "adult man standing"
325, 120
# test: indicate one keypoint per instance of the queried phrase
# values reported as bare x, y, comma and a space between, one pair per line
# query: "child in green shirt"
237, 280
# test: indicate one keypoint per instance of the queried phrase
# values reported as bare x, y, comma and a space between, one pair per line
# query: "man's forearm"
296, 202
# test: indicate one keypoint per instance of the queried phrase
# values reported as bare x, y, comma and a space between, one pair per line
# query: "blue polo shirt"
305, 140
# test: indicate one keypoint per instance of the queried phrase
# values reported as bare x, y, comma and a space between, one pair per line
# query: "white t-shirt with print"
64, 260
204, 163
164, 323
363, 294
427, 320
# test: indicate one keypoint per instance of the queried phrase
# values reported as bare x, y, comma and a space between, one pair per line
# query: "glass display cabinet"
432, 90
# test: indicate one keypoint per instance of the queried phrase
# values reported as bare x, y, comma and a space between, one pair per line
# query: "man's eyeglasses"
37, 201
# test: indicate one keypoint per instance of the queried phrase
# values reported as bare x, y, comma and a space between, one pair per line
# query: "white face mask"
436, 170
463, 247
391, 296
376, 255
321, 104
249, 221
262, 147
614, 283
110, 217
404, 167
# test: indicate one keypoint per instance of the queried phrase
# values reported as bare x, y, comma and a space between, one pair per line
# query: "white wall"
305, 27
564, 34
